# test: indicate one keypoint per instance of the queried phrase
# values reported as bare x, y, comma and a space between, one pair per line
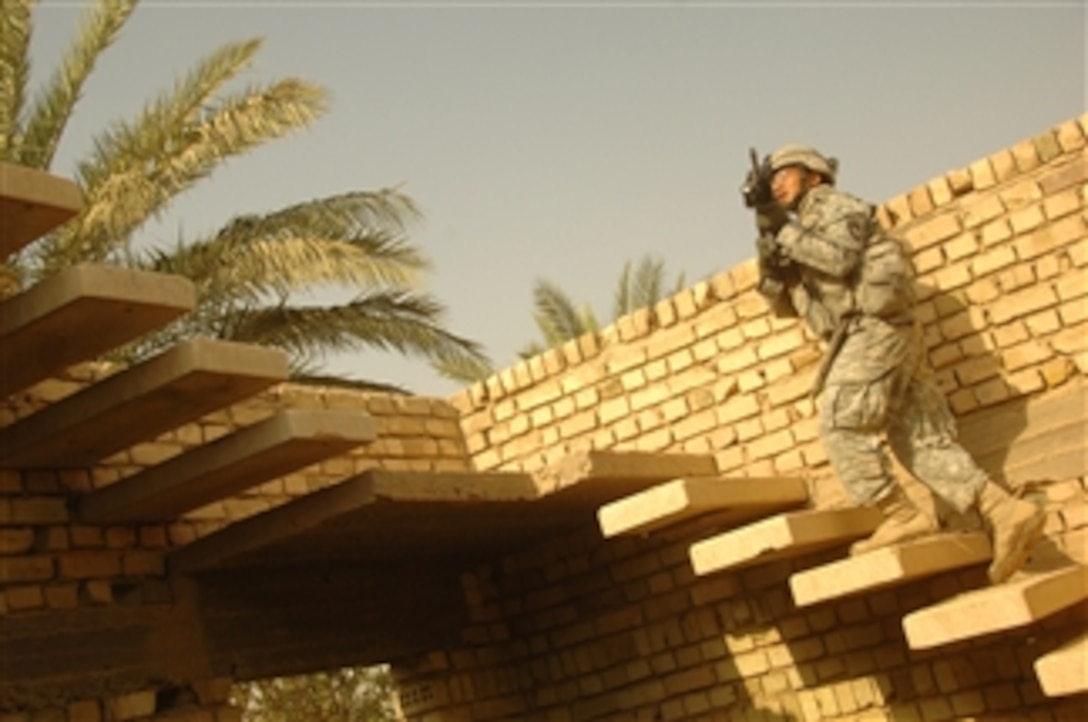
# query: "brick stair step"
889, 566
1065, 670
782, 536
189, 380
1014, 604
680, 499
290, 440
80, 313
32, 203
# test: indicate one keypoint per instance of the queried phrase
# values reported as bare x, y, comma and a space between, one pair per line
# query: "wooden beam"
782, 536
32, 203
288, 441
400, 510
889, 566
1065, 670
80, 313
680, 499
1013, 604
613, 474
180, 385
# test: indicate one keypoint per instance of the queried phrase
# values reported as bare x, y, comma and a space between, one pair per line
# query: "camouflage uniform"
874, 387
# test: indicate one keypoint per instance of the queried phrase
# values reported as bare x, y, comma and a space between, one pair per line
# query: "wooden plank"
1013, 604
681, 499
390, 498
290, 440
889, 566
782, 536
80, 313
180, 385
621, 471
32, 203
1065, 670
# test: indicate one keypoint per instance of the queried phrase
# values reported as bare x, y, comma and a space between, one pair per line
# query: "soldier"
824, 257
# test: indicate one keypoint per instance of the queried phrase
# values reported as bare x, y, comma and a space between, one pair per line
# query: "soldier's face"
787, 185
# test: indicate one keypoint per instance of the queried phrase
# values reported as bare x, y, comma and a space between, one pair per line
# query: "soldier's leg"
923, 437
852, 419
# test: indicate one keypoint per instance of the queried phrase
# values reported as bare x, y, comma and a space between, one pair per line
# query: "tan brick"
920, 201
934, 230
1004, 166
982, 174
1046, 145
61, 596
131, 706
953, 276
1025, 155
984, 209
1063, 203
1073, 173
39, 510
26, 569
1057, 371
962, 245
996, 232
1026, 219
21, 598
16, 541
1073, 312
1022, 303
940, 191
85, 565
1070, 136
84, 711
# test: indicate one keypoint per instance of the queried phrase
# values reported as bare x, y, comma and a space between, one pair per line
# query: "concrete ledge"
180, 385
79, 314
269, 449
681, 499
889, 566
1065, 670
782, 536
1010, 605
32, 203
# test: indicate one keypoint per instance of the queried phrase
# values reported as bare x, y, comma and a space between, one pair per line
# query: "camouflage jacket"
823, 250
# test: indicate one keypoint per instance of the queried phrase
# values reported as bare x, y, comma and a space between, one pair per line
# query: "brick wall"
585, 629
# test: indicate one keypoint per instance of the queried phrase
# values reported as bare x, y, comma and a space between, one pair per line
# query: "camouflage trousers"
906, 411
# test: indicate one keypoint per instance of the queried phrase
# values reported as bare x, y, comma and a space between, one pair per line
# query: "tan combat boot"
1015, 526
902, 522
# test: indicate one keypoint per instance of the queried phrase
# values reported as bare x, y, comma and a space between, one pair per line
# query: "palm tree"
560, 320
248, 273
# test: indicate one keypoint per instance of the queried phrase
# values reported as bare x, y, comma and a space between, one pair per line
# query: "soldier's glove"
770, 218
770, 253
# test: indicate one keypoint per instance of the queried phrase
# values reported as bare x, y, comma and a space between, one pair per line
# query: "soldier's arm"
831, 240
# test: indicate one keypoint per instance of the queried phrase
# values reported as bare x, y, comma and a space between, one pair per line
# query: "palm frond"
555, 313
15, 29
647, 283
464, 370
622, 301
321, 242
53, 107
303, 375
161, 121
385, 320
124, 201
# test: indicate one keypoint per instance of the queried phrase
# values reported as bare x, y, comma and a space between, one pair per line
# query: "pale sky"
558, 140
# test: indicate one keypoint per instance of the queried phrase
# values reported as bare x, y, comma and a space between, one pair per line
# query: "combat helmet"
805, 156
